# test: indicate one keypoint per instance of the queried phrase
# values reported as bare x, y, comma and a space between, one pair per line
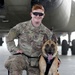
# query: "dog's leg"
41, 73
54, 67
42, 65
56, 73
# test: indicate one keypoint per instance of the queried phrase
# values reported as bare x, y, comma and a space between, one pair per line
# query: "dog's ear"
54, 38
45, 38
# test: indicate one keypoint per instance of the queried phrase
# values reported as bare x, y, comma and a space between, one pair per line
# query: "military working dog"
48, 62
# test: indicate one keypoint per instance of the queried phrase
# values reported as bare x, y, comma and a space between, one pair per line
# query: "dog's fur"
49, 47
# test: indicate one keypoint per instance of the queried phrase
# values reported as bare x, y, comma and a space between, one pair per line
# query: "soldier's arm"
13, 33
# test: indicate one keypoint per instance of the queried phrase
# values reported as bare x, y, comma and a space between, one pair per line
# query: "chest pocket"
36, 37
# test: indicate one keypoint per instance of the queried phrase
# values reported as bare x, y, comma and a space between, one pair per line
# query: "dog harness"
48, 63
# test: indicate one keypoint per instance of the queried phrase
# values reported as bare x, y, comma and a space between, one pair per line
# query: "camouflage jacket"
30, 38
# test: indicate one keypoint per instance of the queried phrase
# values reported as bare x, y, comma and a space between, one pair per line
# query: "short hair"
38, 6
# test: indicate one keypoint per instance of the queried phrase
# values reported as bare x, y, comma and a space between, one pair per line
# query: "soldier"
30, 36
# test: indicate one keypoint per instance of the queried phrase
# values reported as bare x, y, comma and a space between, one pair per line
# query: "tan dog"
48, 63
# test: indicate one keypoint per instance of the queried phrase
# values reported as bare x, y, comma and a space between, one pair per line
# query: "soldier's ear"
31, 14
45, 38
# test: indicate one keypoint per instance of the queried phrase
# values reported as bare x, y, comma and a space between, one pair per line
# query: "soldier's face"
37, 15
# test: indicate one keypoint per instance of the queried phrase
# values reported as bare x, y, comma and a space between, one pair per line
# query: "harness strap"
24, 54
48, 65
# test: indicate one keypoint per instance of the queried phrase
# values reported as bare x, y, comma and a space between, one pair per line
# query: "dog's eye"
47, 45
52, 45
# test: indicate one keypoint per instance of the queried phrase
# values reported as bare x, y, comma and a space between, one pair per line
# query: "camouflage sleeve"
13, 34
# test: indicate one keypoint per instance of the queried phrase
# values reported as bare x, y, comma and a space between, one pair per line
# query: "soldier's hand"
19, 51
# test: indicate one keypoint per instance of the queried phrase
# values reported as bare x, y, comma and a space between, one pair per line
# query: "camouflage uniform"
30, 40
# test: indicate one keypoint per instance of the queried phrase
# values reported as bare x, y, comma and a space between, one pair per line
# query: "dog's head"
49, 49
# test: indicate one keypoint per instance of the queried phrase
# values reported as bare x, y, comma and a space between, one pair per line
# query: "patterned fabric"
30, 38
17, 63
